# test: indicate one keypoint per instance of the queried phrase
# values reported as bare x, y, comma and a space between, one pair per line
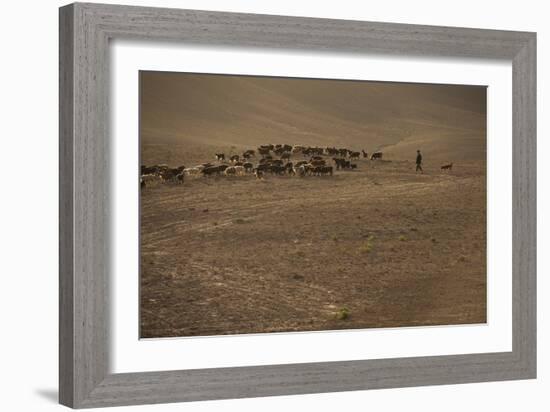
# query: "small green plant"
239, 221
342, 313
402, 238
366, 247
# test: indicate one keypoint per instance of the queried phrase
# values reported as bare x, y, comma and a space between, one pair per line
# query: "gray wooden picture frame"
85, 31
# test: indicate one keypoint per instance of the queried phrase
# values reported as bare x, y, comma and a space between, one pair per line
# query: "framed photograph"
257, 205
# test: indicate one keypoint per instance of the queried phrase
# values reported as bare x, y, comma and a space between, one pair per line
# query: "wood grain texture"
524, 204
85, 31
66, 109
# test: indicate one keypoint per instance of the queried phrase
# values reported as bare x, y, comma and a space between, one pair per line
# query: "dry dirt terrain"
380, 246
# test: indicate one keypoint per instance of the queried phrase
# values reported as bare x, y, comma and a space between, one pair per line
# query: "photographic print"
271, 204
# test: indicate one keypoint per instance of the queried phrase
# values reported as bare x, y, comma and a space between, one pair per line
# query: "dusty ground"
239, 255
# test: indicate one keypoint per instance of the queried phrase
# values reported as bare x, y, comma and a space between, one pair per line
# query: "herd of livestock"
270, 159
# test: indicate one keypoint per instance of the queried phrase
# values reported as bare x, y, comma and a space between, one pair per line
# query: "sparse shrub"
402, 238
342, 313
366, 247
239, 221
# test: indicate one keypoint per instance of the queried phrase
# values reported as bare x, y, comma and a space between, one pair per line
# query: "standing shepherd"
419, 162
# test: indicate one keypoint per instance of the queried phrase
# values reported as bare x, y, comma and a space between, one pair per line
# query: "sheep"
169, 174
153, 170
290, 169
300, 170
322, 170
279, 151
248, 167
259, 174
234, 166
308, 168
214, 170
262, 168
193, 171
376, 155
331, 151
235, 171
263, 151
145, 170
320, 162
277, 169
149, 179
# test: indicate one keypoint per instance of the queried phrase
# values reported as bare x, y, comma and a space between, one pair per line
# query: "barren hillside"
446, 122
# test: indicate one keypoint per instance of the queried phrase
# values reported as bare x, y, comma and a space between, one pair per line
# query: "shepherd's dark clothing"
419, 162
